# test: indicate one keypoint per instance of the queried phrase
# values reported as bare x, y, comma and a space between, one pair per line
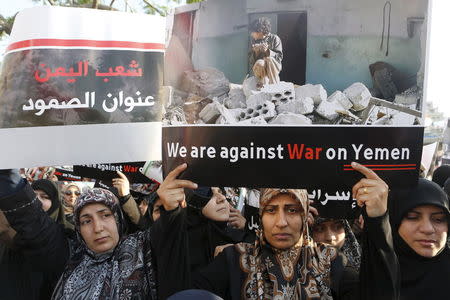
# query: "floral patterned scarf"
300, 272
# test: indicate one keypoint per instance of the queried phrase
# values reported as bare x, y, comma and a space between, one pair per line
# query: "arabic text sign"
71, 75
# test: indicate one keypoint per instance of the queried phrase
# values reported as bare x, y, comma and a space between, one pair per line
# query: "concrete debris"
341, 98
249, 86
316, 92
253, 121
210, 112
297, 106
266, 110
281, 92
328, 110
208, 82
359, 95
408, 97
284, 103
258, 99
291, 119
349, 116
236, 97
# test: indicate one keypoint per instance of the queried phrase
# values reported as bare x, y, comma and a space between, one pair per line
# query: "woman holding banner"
420, 219
284, 263
100, 262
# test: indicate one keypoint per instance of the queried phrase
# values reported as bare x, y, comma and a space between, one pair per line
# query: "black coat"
378, 278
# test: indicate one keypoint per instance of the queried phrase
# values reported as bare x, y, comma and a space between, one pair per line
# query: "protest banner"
133, 171
288, 95
66, 175
81, 86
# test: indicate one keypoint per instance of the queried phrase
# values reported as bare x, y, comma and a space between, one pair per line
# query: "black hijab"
204, 235
441, 174
51, 190
421, 277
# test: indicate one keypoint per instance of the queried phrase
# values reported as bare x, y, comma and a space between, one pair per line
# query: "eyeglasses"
68, 193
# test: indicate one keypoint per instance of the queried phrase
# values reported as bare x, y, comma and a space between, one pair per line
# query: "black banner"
66, 175
109, 171
293, 157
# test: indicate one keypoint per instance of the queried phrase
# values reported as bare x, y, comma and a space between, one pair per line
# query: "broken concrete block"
210, 112
253, 121
249, 86
316, 92
258, 99
236, 97
291, 119
281, 92
266, 110
297, 106
208, 82
328, 110
359, 95
341, 98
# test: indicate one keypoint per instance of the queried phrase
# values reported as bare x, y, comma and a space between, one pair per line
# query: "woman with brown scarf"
284, 263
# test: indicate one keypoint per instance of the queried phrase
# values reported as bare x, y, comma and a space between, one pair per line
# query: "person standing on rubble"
266, 53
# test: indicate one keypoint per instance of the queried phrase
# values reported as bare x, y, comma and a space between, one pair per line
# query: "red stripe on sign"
404, 165
383, 169
83, 43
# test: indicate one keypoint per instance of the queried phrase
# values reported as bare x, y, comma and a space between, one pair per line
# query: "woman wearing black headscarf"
100, 262
208, 213
420, 229
18, 278
284, 263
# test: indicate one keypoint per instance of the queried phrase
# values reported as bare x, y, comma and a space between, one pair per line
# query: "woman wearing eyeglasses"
70, 193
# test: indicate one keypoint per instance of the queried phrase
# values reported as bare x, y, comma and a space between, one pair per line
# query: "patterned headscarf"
300, 272
122, 273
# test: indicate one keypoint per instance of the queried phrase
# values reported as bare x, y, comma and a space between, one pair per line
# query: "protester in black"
284, 262
124, 269
420, 219
18, 278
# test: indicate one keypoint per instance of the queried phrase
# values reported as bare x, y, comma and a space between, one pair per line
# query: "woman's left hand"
121, 184
370, 191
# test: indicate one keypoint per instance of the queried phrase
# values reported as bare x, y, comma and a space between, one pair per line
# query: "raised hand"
370, 191
121, 184
236, 219
171, 190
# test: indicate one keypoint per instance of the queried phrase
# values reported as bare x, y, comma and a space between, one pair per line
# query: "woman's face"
424, 229
156, 213
217, 208
282, 221
330, 232
98, 228
70, 195
44, 198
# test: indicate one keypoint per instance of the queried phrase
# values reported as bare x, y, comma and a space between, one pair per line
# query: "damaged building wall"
342, 44
344, 37
222, 38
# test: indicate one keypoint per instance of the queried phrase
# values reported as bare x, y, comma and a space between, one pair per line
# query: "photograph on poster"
297, 62
269, 87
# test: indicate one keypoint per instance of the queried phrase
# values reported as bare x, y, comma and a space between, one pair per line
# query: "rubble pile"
211, 99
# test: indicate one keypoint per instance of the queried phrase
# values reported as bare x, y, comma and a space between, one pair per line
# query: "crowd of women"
185, 241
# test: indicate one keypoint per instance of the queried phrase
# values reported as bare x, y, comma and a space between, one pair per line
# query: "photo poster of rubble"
325, 64
99, 87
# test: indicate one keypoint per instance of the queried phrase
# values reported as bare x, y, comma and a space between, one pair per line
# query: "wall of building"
343, 37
